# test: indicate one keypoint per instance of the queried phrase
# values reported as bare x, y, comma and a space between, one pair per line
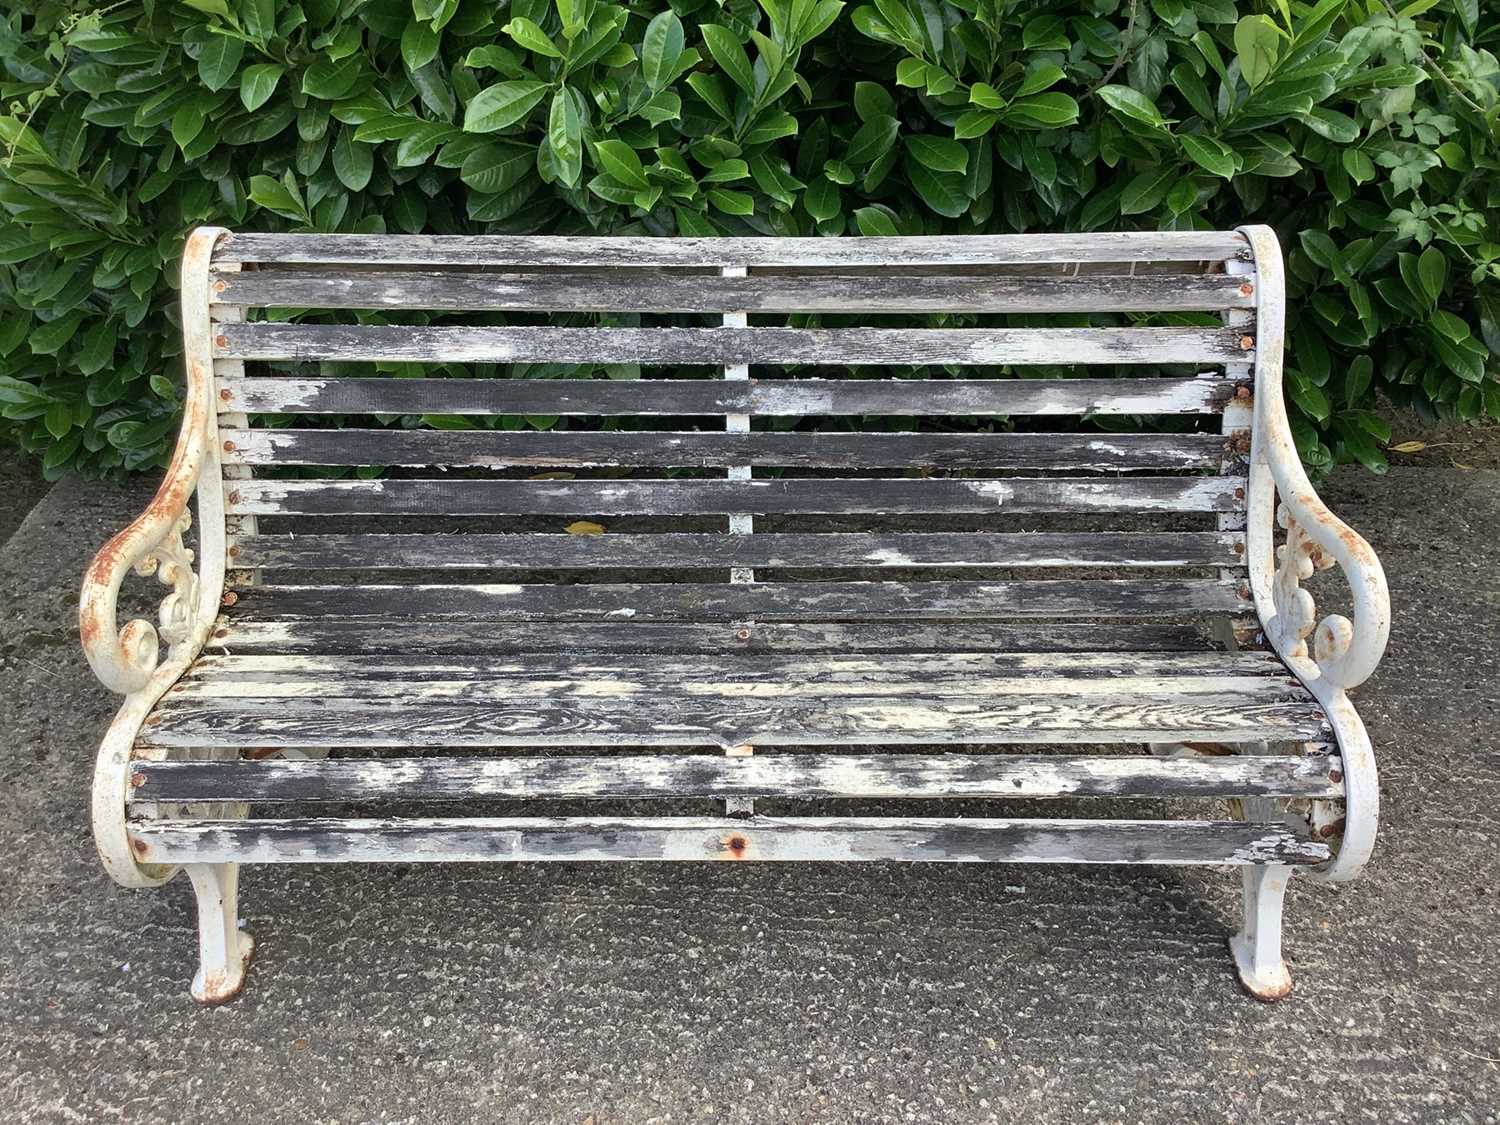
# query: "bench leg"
224, 950
1257, 947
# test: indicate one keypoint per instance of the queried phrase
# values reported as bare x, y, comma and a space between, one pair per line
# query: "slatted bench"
736, 549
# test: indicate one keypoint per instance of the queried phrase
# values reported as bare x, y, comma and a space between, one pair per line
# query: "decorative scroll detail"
127, 664
1296, 560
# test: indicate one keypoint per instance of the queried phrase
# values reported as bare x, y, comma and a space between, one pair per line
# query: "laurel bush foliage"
1363, 132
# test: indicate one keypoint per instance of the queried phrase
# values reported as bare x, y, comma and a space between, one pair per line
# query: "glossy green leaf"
502, 105
258, 83
660, 48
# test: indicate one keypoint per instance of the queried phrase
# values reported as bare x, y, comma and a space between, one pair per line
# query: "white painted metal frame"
1329, 657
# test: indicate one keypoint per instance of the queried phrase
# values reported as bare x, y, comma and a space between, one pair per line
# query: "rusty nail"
234, 497
1335, 775
137, 780
737, 844
229, 447
1239, 548
1326, 831
221, 632
1246, 343
221, 341
234, 552
1245, 289
229, 598
226, 394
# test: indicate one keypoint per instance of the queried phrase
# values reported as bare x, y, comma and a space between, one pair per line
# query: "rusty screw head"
1245, 289
1246, 343
229, 598
742, 633
1326, 831
1242, 393
225, 394
234, 497
1335, 775
1239, 548
234, 552
220, 286
221, 341
229, 447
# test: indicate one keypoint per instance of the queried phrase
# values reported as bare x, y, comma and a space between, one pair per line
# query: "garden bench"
832, 578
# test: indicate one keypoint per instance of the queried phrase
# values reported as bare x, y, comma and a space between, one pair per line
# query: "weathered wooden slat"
713, 496
761, 601
632, 292
846, 839
581, 449
798, 776
533, 250
939, 667
700, 689
683, 397
763, 549
973, 347
440, 636
665, 719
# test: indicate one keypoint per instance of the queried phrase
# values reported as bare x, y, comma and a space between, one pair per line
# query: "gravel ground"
865, 993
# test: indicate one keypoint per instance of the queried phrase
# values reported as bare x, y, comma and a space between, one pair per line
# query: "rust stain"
234, 497
221, 341
1243, 392
736, 845
1214, 749
1335, 775
1331, 830
139, 846
137, 780
1245, 289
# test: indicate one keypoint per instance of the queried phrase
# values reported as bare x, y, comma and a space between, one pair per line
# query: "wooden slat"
575, 449
680, 397
779, 601
900, 496
798, 776
666, 720
532, 250
764, 549
711, 687
383, 636
655, 292
972, 347
846, 839
939, 666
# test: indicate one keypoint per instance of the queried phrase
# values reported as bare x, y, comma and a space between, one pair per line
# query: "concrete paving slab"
762, 994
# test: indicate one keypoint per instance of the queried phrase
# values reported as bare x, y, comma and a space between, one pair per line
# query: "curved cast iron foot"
219, 986
1267, 984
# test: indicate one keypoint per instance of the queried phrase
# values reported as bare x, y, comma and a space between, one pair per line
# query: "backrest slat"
653, 291
970, 347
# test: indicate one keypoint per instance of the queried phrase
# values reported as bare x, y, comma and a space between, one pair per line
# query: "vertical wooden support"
739, 523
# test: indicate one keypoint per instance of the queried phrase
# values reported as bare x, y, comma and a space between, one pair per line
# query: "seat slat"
664, 720
440, 636
534, 250
899, 496
799, 776
973, 347
939, 667
778, 601
776, 397
763, 549
564, 839
632, 292
562, 448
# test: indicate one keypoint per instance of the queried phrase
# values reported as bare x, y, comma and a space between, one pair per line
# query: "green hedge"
1365, 134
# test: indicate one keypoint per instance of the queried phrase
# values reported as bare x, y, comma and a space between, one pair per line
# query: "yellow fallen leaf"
584, 527
552, 476
1409, 447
